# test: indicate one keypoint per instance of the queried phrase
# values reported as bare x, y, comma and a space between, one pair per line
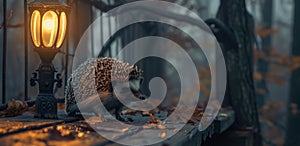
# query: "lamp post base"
46, 103
46, 107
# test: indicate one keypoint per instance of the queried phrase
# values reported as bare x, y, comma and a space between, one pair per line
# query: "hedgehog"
106, 71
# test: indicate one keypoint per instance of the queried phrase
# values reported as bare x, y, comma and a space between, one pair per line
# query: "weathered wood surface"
224, 121
25, 130
26, 121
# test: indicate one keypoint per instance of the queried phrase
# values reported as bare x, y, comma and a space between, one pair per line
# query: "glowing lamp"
48, 23
48, 28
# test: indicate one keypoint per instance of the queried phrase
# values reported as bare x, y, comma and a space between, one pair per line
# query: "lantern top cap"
49, 2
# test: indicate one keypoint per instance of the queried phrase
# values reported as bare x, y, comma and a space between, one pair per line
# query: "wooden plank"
224, 120
11, 125
72, 134
53, 132
182, 136
233, 137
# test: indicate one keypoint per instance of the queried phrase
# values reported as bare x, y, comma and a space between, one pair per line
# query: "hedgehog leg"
118, 114
72, 110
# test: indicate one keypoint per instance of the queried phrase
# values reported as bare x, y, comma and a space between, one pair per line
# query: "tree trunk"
239, 62
293, 127
263, 65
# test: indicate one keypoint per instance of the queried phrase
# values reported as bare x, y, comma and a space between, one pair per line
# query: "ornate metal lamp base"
46, 103
46, 107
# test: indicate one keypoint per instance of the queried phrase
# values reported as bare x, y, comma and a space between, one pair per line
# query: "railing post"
25, 51
4, 51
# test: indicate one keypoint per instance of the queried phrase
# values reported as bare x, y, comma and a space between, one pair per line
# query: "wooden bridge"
26, 130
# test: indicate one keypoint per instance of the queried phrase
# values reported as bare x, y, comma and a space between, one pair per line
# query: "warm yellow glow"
35, 28
49, 28
49, 24
62, 29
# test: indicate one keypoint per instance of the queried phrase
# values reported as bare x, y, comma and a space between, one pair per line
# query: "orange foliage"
274, 53
257, 76
281, 64
296, 59
276, 68
274, 79
269, 115
260, 54
293, 67
204, 72
206, 82
204, 89
261, 91
208, 43
294, 108
263, 32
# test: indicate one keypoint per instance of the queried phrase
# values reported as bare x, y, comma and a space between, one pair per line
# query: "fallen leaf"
153, 118
160, 126
223, 115
163, 134
80, 134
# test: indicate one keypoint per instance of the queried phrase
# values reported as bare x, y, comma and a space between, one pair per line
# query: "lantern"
48, 28
48, 23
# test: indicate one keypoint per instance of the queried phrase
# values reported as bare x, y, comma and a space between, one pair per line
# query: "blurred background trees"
239, 64
293, 127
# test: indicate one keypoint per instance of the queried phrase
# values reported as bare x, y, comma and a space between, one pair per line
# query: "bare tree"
239, 62
263, 65
293, 127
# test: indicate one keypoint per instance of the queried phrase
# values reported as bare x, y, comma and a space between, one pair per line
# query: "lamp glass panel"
62, 29
35, 28
49, 28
